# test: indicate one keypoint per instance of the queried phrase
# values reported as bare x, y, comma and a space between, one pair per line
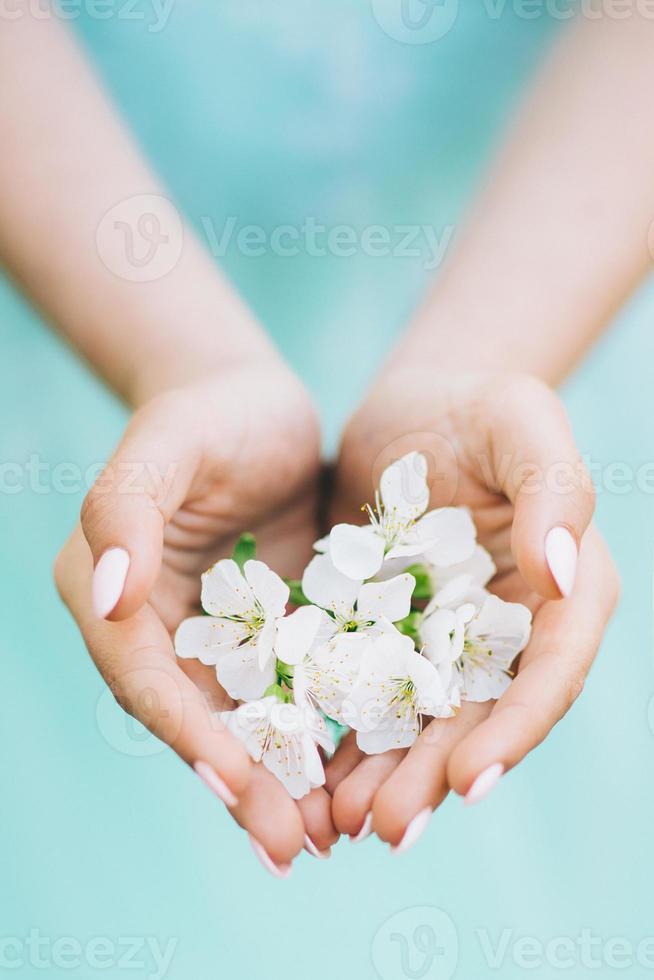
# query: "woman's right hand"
197, 466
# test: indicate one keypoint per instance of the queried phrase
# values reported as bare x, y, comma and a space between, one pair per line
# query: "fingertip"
389, 821
349, 807
561, 554
285, 839
109, 578
462, 770
546, 556
235, 767
318, 822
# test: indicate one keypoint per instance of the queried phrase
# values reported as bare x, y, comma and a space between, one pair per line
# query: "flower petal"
436, 632
453, 533
204, 638
224, 590
357, 552
504, 626
483, 685
291, 754
391, 599
403, 487
271, 591
480, 566
240, 675
264, 642
330, 673
328, 588
249, 723
297, 633
431, 695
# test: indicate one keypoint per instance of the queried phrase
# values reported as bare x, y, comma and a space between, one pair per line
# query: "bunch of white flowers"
393, 624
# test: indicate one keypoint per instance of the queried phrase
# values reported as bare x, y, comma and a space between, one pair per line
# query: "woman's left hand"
502, 446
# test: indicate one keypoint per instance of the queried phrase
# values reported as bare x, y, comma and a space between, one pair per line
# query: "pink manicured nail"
212, 780
561, 555
484, 783
365, 831
414, 830
313, 850
109, 581
277, 870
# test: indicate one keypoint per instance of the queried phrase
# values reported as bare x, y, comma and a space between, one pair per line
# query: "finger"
354, 795
273, 821
347, 756
403, 805
137, 660
553, 668
535, 461
320, 832
124, 513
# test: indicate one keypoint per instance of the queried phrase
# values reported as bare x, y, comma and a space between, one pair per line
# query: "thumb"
125, 512
537, 465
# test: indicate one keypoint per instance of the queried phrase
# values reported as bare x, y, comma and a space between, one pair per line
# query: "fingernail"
365, 831
561, 555
212, 780
484, 783
276, 870
312, 849
109, 581
414, 830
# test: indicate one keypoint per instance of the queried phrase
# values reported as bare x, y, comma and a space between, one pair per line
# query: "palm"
257, 471
477, 435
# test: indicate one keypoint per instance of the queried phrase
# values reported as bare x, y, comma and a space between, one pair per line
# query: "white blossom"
237, 637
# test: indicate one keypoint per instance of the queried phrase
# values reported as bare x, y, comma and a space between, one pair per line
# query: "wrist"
179, 369
462, 334
181, 341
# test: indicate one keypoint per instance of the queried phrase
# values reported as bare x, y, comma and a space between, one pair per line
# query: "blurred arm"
67, 160
559, 239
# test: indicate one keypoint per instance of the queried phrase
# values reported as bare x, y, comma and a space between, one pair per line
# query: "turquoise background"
272, 112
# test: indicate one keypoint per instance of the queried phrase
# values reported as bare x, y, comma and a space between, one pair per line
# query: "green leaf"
277, 691
297, 596
423, 588
244, 549
285, 673
409, 626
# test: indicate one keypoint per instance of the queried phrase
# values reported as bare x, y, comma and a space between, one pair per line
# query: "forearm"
559, 239
66, 161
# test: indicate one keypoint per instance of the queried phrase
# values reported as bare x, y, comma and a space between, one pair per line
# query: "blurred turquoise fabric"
272, 113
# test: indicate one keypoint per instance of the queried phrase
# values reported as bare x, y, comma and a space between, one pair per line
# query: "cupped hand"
502, 446
196, 467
